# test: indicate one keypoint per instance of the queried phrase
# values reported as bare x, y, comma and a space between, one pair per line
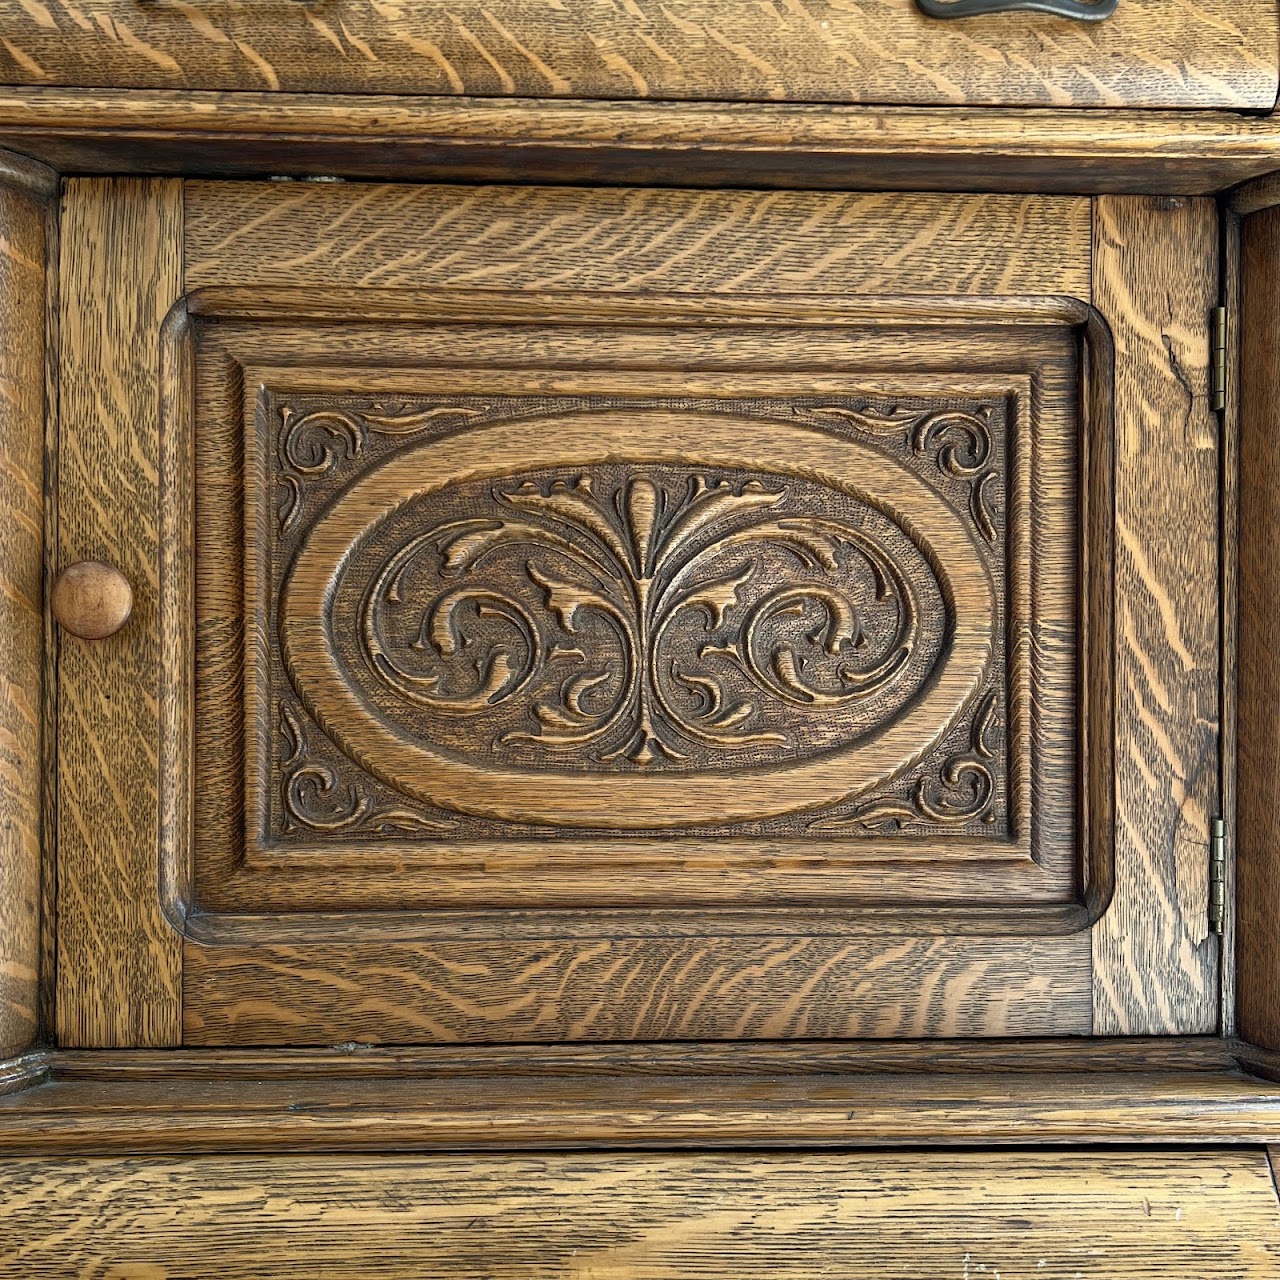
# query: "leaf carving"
639, 616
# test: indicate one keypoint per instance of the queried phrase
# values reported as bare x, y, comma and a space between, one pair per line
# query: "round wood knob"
92, 599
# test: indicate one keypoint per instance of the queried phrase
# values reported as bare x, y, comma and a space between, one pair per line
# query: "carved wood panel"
639, 634
618, 635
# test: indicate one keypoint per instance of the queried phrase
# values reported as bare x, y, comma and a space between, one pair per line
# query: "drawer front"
884, 1214
1148, 53
628, 615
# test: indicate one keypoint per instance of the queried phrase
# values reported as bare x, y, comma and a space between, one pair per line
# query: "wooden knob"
92, 599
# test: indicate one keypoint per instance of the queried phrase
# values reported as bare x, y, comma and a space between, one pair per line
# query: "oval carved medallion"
650, 627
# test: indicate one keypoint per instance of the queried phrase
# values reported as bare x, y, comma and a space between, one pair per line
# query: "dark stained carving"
959, 441
317, 798
638, 616
962, 789
317, 442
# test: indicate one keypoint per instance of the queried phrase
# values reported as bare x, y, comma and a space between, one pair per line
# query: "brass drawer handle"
92, 600
1081, 10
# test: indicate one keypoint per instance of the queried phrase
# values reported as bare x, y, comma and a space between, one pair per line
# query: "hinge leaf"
1218, 359
1217, 875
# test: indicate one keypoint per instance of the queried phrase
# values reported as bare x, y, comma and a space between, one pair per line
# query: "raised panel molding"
617, 615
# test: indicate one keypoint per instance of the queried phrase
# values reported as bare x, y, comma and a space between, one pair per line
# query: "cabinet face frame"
108, 132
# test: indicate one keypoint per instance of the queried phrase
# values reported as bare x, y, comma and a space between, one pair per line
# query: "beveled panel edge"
29, 175
302, 928
176, 595
1098, 726
25, 1070
483, 305
209, 927
1191, 152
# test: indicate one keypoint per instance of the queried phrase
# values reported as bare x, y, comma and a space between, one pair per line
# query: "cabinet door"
610, 615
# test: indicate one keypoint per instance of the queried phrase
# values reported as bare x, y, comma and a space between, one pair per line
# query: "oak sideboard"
639, 639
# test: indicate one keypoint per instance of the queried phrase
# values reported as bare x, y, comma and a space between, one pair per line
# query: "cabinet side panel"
1258, 817
22, 379
118, 957
1155, 283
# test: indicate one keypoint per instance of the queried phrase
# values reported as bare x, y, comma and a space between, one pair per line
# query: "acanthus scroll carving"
962, 789
317, 442
317, 798
646, 616
959, 440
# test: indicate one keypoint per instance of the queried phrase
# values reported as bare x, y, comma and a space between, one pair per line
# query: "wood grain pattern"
1155, 277
1042, 1215
362, 236
1253, 197
91, 599
258, 978
1257, 865
119, 957
1047, 1215
1222, 54
604, 989
207, 1114
764, 145
22, 536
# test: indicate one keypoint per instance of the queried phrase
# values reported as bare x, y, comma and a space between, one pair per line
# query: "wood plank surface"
23, 190
1155, 281
1221, 53
1061, 1215
362, 236
764, 145
205, 1113
119, 957
604, 989
1258, 818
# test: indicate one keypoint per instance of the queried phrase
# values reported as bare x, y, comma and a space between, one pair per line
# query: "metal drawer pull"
1081, 10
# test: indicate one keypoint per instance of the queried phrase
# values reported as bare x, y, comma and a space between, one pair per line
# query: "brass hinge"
1218, 359
1217, 875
